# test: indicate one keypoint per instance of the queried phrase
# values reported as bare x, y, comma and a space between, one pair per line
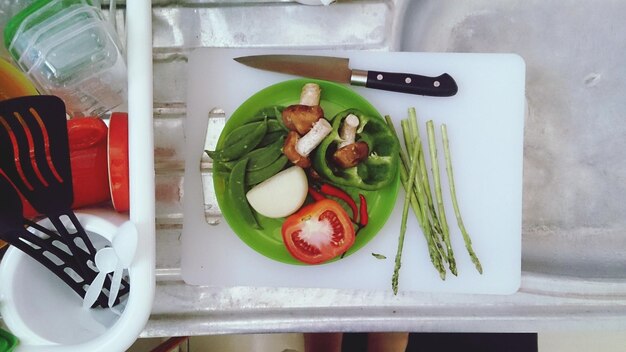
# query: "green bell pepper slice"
375, 172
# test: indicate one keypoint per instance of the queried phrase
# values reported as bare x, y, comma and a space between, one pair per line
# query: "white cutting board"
485, 125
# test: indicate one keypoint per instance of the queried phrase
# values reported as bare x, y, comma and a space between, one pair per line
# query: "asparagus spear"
455, 204
405, 212
434, 161
420, 212
422, 178
429, 222
414, 178
423, 173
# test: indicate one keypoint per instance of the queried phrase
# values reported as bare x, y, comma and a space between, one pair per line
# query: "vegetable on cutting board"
318, 232
236, 148
339, 193
377, 170
262, 182
307, 126
301, 117
260, 140
280, 195
236, 187
430, 214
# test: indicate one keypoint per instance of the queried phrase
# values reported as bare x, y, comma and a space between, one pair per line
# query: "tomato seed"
338, 235
304, 245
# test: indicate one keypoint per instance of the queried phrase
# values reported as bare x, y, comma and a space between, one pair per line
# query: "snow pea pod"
270, 112
270, 138
241, 147
237, 189
240, 132
260, 157
274, 125
260, 175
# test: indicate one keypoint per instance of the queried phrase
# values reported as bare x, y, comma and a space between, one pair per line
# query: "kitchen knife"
337, 69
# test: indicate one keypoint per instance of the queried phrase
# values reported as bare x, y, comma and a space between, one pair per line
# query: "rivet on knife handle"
441, 86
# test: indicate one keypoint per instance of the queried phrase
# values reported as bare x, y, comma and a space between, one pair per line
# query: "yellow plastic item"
13, 83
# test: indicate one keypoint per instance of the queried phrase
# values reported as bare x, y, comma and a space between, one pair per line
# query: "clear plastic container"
68, 49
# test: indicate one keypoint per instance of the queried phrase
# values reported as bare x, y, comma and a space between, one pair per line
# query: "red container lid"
118, 161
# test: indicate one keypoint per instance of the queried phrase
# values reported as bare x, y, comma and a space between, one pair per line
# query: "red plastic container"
118, 161
89, 162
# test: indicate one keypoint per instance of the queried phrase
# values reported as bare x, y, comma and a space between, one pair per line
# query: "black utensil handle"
440, 86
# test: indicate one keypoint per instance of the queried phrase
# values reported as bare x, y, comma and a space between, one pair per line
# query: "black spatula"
45, 246
35, 157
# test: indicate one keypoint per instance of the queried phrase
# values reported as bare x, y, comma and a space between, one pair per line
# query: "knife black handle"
441, 86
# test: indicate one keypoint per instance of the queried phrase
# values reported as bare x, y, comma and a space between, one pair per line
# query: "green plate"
268, 241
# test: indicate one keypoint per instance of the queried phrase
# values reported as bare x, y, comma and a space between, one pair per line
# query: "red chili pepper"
317, 196
341, 194
363, 217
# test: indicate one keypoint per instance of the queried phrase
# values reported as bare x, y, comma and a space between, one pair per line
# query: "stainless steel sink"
574, 223
574, 218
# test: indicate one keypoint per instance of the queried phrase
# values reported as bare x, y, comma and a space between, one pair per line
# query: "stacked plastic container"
69, 49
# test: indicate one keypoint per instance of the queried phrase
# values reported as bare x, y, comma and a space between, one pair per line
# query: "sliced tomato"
318, 232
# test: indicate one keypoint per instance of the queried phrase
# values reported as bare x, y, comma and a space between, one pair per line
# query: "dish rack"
124, 331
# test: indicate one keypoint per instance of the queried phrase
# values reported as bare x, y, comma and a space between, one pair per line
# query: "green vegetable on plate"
261, 157
268, 105
257, 176
380, 166
237, 190
241, 141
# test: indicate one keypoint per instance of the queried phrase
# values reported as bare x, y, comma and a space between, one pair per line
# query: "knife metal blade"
337, 69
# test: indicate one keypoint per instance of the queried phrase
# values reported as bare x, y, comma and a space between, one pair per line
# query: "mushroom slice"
289, 149
300, 118
347, 132
351, 155
310, 94
314, 137
297, 149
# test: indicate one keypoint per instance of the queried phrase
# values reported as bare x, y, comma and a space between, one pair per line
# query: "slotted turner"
35, 157
37, 161
46, 248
